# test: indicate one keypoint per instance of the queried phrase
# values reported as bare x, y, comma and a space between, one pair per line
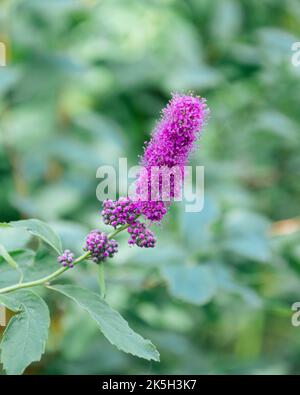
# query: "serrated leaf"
193, 284
111, 323
42, 230
25, 336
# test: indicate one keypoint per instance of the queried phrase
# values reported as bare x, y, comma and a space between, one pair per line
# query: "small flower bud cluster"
66, 259
141, 235
120, 212
125, 211
153, 210
100, 246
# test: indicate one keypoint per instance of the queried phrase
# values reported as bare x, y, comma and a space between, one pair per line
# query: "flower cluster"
66, 259
165, 156
141, 235
125, 211
120, 212
100, 247
153, 210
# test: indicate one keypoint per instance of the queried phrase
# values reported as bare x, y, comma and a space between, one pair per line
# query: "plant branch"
58, 272
120, 229
101, 278
43, 280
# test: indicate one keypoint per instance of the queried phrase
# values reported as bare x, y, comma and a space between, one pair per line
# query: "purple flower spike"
161, 178
66, 259
169, 148
100, 246
141, 235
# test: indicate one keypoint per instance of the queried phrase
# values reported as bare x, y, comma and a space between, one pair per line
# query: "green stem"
43, 280
21, 276
58, 272
120, 229
102, 280
8, 258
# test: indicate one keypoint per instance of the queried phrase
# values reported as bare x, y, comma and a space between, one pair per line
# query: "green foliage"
42, 230
25, 336
111, 324
194, 284
7, 257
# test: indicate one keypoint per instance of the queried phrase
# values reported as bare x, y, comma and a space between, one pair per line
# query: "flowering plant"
169, 148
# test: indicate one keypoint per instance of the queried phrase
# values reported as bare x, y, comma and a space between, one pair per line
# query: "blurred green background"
84, 84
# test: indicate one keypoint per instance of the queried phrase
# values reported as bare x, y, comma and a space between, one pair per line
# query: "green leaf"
7, 257
196, 227
246, 235
25, 336
41, 230
25, 262
256, 248
23, 257
71, 233
13, 238
111, 323
43, 266
170, 254
227, 284
193, 284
